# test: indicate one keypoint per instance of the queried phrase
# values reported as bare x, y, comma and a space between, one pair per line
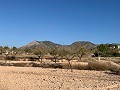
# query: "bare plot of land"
30, 78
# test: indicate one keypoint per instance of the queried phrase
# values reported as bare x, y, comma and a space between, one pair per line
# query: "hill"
49, 44
86, 44
40, 44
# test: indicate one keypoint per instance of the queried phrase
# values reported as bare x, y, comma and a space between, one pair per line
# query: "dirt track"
29, 78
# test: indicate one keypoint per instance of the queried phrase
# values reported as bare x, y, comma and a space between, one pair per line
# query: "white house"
118, 46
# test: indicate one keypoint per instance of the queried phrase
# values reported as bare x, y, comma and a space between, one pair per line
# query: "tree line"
107, 50
68, 53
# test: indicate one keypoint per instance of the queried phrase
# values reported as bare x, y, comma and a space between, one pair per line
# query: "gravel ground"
30, 78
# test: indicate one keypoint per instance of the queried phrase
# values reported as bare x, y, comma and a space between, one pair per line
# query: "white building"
118, 46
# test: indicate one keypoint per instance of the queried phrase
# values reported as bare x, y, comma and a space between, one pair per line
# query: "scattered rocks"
29, 78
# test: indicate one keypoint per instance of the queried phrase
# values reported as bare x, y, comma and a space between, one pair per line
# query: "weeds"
99, 66
92, 65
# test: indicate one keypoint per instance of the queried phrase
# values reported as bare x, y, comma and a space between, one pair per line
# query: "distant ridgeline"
103, 50
49, 44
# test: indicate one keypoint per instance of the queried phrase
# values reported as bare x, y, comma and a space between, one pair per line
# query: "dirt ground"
33, 78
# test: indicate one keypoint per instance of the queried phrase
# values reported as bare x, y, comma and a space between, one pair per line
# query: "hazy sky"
60, 21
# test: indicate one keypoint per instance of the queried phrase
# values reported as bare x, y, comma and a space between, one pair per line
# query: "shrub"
56, 65
115, 69
20, 64
2, 64
98, 66
10, 58
79, 67
116, 61
65, 66
32, 58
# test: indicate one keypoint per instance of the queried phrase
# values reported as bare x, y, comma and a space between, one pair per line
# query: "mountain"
49, 44
86, 44
40, 44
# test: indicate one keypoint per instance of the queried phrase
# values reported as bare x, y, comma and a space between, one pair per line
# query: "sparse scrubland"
60, 67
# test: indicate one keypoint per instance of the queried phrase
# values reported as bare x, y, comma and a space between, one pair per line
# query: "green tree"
102, 50
106, 50
14, 48
6, 47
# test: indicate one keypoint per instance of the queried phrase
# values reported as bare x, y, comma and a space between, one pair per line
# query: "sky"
59, 21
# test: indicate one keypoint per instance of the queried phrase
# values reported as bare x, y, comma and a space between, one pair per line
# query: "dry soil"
31, 78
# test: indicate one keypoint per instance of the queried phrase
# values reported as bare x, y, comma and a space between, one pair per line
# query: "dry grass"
85, 65
96, 65
115, 69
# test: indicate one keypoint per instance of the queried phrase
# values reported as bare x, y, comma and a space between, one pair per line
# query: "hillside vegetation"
48, 54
